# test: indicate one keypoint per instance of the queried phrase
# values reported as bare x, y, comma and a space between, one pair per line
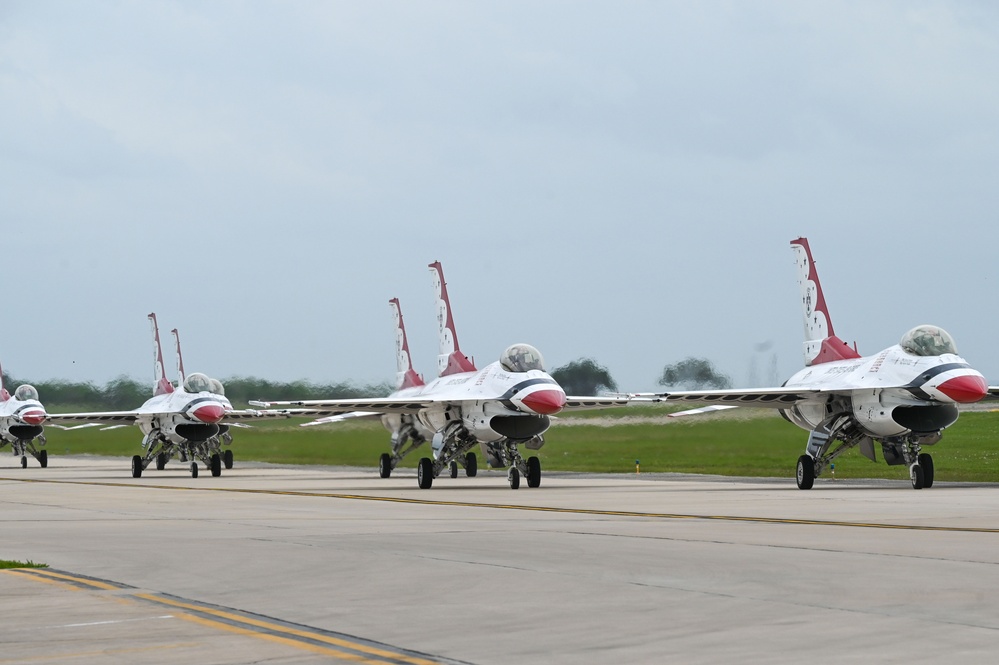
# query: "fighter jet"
21, 418
180, 421
505, 405
899, 400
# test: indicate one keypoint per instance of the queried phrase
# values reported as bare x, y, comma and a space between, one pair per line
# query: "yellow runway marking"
233, 621
521, 507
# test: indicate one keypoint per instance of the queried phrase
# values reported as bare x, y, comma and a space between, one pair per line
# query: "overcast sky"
618, 180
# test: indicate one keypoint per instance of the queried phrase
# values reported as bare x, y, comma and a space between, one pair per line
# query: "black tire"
24, 462
227, 458
385, 465
161, 461
194, 469
425, 473
917, 477
926, 462
806, 472
513, 475
471, 465
43, 458
136, 466
215, 464
453, 468
533, 472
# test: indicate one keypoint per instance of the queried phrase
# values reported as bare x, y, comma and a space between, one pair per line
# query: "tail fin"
182, 377
4, 395
405, 376
821, 343
450, 359
162, 385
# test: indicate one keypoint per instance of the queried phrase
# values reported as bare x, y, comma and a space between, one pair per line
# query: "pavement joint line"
543, 509
316, 640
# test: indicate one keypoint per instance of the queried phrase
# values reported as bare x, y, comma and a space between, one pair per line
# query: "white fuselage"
181, 416
489, 403
20, 420
870, 389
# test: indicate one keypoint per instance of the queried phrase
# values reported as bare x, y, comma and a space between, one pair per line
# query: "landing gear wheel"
513, 475
161, 461
533, 472
926, 463
24, 462
806, 472
194, 469
425, 473
215, 464
471, 465
917, 477
385, 465
453, 469
43, 458
227, 458
136, 466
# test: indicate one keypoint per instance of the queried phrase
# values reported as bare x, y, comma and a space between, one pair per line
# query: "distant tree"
584, 377
693, 374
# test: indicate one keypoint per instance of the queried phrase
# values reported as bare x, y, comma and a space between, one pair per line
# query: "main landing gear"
404, 441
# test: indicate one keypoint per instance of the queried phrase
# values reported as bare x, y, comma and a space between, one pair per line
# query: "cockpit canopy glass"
197, 383
928, 341
521, 358
217, 387
25, 392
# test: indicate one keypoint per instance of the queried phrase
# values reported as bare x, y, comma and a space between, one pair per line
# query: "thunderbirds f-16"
506, 404
21, 418
899, 399
184, 422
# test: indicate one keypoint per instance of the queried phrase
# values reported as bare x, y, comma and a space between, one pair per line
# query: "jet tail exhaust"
821, 343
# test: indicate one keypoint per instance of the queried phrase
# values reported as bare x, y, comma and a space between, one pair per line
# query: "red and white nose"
209, 413
964, 389
544, 402
34, 416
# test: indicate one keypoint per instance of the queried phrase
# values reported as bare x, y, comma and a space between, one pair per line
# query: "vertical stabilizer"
4, 395
450, 359
405, 376
821, 343
181, 376
162, 385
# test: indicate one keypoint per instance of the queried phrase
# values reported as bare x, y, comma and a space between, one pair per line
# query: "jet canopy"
199, 383
25, 392
521, 358
217, 387
928, 340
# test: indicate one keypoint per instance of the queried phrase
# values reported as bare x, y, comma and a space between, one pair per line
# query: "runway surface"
306, 564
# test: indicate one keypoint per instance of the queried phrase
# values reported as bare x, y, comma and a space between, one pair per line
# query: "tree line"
580, 377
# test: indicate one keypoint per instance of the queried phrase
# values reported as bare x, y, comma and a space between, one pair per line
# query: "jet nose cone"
209, 413
34, 417
544, 402
964, 389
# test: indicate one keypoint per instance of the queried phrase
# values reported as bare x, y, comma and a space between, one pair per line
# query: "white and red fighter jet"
900, 399
183, 422
505, 405
21, 418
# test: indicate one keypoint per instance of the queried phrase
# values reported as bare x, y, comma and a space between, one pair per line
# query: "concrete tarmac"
305, 564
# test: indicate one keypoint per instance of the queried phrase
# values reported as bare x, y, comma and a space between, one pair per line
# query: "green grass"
21, 564
736, 443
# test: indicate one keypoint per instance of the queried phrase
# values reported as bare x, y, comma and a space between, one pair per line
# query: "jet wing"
581, 403
336, 407
124, 417
239, 415
993, 394
774, 398
342, 417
